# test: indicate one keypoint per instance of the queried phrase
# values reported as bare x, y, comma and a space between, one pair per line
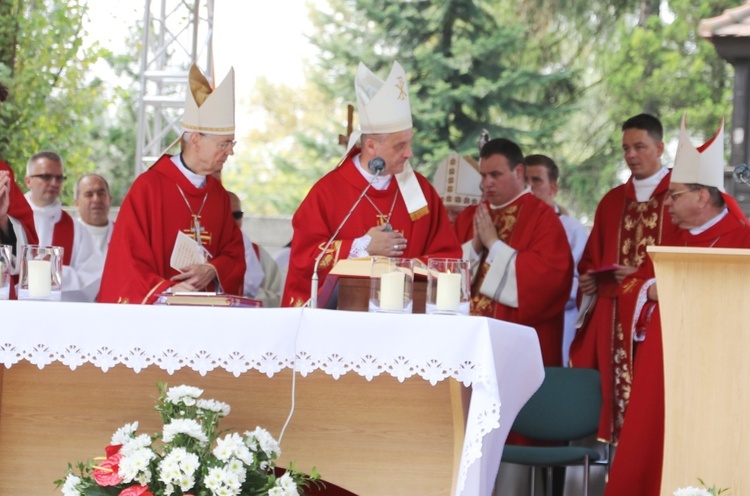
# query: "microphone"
376, 166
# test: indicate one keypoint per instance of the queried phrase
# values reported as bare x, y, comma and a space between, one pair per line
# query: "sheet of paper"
186, 252
587, 304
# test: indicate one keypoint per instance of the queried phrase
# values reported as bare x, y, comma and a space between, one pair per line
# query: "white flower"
178, 468
134, 466
266, 441
136, 443
227, 446
183, 394
184, 426
214, 406
692, 491
285, 486
286, 482
69, 488
124, 433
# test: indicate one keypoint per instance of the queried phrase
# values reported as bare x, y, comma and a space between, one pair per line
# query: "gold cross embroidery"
401, 85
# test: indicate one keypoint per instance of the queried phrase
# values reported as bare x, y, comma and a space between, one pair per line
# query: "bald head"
93, 200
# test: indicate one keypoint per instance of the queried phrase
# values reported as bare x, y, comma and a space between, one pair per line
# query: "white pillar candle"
448, 291
40, 279
392, 290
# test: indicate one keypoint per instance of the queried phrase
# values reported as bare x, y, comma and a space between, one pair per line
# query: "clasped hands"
384, 243
485, 232
194, 278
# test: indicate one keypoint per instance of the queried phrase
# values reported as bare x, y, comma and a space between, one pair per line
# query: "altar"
378, 403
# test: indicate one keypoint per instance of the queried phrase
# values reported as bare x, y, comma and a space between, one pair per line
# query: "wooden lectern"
704, 301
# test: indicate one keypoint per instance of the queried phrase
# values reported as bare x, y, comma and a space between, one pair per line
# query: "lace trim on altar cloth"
335, 365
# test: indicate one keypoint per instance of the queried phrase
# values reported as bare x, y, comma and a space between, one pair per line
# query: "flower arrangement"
188, 458
700, 491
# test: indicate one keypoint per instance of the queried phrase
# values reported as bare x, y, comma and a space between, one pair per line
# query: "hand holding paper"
186, 252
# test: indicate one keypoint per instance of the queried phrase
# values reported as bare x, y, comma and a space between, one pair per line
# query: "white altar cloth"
501, 361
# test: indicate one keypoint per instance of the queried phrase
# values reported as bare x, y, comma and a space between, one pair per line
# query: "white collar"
51, 210
380, 183
195, 179
644, 188
711, 223
95, 229
527, 189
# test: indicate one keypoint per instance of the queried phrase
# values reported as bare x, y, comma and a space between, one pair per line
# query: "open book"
360, 267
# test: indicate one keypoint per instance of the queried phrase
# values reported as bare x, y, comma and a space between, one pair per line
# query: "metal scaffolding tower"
176, 33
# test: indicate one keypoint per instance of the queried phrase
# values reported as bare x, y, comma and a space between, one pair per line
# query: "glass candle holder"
6, 253
41, 273
391, 285
448, 286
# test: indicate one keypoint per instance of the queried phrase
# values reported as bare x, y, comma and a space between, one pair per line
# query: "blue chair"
566, 407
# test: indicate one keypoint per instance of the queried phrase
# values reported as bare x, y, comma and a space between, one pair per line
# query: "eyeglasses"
49, 177
237, 215
674, 194
223, 145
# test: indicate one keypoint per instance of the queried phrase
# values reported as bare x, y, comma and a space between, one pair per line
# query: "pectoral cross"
197, 229
198, 232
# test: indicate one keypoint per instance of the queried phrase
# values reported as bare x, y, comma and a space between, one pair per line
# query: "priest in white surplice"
93, 202
82, 262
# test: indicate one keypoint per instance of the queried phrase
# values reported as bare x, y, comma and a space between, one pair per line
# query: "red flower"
136, 491
112, 449
106, 473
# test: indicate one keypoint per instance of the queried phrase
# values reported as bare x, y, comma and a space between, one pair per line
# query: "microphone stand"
376, 166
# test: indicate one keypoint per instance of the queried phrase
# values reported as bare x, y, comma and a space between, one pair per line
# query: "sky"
257, 38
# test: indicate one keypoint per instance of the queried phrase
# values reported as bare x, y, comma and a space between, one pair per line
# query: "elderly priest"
400, 216
175, 230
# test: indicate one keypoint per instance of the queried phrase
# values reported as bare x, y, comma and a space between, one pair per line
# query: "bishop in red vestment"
423, 234
401, 214
628, 219
707, 218
519, 251
178, 194
153, 212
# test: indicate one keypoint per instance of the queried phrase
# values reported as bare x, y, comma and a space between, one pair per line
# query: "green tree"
292, 149
45, 66
467, 66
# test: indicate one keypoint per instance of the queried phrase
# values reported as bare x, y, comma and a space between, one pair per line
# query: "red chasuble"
428, 234
63, 235
638, 465
544, 270
19, 208
623, 228
137, 266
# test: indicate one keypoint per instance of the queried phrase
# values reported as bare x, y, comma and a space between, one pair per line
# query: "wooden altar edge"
370, 437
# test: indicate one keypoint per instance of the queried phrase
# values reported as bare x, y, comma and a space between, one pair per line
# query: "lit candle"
40, 279
392, 290
448, 291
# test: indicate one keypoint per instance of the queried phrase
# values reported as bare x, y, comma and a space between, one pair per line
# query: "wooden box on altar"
347, 287
704, 300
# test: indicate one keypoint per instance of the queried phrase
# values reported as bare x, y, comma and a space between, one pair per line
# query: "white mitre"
457, 181
703, 165
208, 110
384, 108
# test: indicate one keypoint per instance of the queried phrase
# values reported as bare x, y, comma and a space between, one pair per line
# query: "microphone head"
376, 166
